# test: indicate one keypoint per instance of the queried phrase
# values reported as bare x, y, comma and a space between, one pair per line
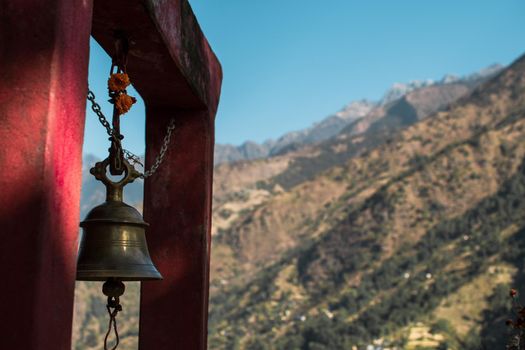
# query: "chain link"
163, 150
133, 158
95, 107
129, 155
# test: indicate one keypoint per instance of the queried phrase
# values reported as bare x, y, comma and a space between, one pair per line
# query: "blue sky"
289, 63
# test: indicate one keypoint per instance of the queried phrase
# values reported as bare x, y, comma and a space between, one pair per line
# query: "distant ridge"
333, 124
320, 131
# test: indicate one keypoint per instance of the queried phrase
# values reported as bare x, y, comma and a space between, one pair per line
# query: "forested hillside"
411, 242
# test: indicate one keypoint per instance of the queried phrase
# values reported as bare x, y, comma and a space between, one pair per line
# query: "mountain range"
333, 124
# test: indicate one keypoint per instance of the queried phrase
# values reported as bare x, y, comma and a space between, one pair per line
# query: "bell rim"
121, 275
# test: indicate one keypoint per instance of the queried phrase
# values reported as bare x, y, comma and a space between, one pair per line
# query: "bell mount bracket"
114, 190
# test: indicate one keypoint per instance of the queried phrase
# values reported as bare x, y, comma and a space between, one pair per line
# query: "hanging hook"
120, 57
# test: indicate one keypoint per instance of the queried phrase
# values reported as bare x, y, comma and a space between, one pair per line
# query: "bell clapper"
113, 289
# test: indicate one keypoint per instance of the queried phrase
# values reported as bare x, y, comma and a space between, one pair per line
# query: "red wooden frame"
44, 49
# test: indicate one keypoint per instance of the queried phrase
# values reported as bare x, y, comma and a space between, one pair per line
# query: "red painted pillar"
177, 205
44, 50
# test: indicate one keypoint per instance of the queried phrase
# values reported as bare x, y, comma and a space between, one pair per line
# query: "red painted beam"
170, 61
44, 51
177, 75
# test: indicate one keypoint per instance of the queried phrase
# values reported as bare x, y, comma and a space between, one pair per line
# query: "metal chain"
134, 159
163, 150
98, 111
129, 155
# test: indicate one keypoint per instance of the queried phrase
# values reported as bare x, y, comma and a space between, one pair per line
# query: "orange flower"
118, 82
123, 103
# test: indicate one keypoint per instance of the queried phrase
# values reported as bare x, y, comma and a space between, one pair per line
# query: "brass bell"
113, 243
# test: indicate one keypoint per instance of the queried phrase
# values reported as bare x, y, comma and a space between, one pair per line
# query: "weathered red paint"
44, 51
177, 75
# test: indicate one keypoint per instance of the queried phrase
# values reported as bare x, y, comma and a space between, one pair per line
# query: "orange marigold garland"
124, 102
117, 84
